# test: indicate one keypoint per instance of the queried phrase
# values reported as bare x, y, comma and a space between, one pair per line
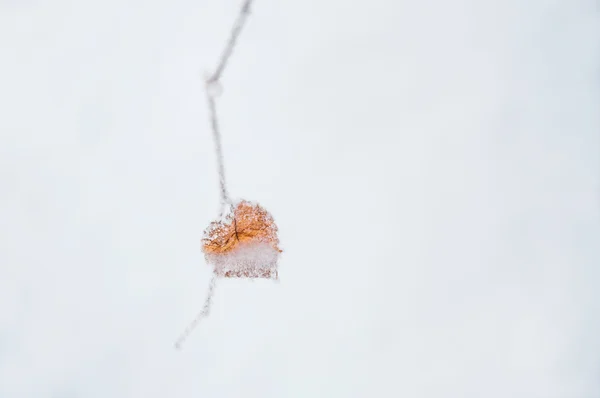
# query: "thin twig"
212, 89
235, 33
212, 83
205, 311
218, 148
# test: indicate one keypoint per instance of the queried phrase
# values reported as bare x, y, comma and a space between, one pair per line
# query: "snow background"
433, 168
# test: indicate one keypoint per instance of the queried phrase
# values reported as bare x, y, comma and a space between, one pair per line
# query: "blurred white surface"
432, 167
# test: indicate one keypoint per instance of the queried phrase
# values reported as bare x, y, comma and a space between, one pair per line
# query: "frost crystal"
213, 87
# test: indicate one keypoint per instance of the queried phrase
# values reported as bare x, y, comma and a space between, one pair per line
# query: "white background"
433, 167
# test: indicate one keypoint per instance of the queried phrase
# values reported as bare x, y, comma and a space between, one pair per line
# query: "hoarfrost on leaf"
243, 244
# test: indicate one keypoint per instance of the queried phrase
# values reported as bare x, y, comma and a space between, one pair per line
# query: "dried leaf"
244, 244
